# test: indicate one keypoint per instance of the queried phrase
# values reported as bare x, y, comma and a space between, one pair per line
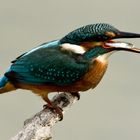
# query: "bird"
74, 63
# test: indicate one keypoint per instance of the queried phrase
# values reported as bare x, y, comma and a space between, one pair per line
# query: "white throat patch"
74, 48
103, 58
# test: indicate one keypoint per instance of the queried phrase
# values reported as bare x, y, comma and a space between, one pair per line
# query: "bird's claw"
76, 94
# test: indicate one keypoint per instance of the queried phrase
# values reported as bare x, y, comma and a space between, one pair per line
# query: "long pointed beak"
114, 45
121, 34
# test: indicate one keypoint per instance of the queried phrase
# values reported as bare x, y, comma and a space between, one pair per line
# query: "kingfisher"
75, 63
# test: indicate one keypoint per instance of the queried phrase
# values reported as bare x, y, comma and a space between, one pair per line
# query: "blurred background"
109, 112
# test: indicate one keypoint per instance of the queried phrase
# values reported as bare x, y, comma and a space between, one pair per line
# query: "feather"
48, 65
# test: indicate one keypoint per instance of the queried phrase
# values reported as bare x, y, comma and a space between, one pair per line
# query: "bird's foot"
77, 94
56, 109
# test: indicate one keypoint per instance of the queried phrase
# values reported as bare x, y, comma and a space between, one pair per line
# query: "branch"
39, 126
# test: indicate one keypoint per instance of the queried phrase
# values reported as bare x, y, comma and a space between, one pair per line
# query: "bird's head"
98, 39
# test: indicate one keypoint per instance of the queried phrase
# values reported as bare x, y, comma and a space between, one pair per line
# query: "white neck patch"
103, 58
74, 48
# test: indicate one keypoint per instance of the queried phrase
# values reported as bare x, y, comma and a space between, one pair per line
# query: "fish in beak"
124, 46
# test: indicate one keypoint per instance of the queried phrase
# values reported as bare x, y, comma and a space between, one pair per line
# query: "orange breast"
93, 77
89, 80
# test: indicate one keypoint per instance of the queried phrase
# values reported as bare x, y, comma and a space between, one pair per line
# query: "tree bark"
39, 126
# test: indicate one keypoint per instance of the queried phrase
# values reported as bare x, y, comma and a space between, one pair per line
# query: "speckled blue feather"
92, 32
47, 64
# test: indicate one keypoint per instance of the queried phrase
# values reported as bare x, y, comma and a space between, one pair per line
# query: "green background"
109, 112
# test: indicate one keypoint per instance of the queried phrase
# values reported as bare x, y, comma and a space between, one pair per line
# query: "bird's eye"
105, 37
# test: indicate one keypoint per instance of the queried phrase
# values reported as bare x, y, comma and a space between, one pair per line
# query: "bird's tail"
5, 85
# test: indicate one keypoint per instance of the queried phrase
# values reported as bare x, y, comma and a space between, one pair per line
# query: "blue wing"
47, 64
